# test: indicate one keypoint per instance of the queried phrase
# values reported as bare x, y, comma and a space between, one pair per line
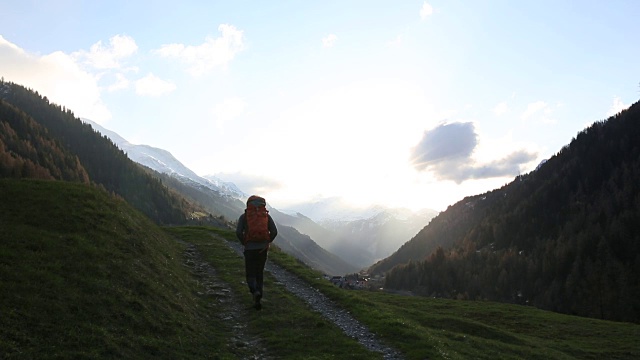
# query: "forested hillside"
28, 151
565, 237
45, 140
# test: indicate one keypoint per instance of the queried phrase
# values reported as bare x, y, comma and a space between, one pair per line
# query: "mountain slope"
216, 197
84, 275
27, 150
223, 199
565, 237
105, 164
303, 248
361, 242
368, 240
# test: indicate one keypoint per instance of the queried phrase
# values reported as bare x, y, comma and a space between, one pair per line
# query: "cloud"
329, 40
445, 143
501, 109
446, 151
214, 52
228, 110
616, 107
507, 166
539, 111
152, 85
121, 83
56, 76
100, 56
532, 109
425, 11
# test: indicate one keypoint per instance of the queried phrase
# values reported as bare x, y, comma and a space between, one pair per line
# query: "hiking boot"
257, 296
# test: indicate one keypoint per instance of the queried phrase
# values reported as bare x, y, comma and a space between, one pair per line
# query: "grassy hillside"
103, 162
427, 328
420, 327
83, 275
285, 324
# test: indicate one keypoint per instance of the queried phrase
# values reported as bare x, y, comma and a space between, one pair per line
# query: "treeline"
565, 237
27, 150
81, 147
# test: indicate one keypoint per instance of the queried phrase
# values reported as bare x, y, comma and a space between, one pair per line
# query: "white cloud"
425, 11
539, 111
329, 40
532, 109
228, 110
56, 76
100, 56
121, 83
501, 109
447, 152
616, 107
214, 52
152, 85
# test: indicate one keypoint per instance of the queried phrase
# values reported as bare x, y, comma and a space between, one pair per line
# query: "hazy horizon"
414, 104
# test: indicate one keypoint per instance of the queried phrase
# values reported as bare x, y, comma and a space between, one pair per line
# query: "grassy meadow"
84, 276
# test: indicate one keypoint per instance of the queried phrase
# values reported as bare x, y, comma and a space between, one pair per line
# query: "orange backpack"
257, 217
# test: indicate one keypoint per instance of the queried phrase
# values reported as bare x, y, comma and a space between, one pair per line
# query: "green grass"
449, 329
286, 324
84, 276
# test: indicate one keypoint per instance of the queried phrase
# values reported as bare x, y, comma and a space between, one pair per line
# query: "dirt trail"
230, 310
327, 308
225, 306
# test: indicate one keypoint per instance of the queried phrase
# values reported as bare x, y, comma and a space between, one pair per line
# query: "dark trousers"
254, 261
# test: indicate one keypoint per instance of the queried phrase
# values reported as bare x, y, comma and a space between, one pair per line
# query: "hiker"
256, 230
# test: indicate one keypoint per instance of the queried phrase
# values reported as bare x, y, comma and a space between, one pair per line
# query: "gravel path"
227, 307
327, 308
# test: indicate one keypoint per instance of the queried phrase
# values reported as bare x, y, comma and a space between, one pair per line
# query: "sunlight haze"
406, 104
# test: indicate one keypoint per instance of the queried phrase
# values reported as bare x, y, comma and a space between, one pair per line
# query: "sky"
399, 103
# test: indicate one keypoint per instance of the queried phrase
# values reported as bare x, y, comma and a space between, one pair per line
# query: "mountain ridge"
564, 237
355, 251
226, 199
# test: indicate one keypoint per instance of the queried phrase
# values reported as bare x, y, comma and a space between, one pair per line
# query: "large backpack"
257, 217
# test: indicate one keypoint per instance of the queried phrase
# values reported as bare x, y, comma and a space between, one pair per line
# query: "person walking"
256, 230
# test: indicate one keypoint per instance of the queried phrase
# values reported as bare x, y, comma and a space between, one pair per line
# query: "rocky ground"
233, 313
226, 306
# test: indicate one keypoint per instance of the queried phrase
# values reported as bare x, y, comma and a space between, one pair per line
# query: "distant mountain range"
358, 236
226, 199
362, 241
565, 237
163, 161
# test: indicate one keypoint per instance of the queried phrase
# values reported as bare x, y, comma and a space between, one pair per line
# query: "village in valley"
357, 281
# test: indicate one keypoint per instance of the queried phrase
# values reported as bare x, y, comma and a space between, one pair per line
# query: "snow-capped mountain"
224, 198
358, 235
164, 162
214, 195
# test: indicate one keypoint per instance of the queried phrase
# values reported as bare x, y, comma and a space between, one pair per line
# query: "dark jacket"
242, 227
